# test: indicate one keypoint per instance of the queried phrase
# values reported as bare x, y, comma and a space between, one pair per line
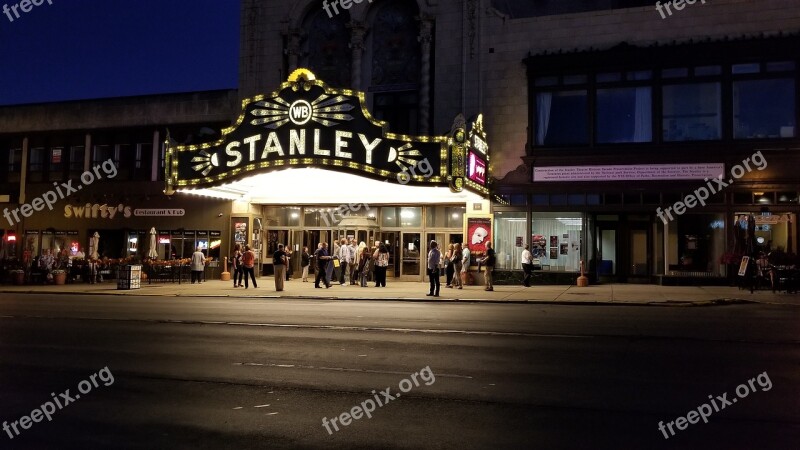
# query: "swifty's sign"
303, 124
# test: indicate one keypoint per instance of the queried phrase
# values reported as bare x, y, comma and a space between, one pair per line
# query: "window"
104, 153
76, 156
556, 240
624, 115
445, 216
14, 166
692, 112
764, 109
401, 217
510, 230
141, 155
36, 164
326, 46
537, 8
56, 163
561, 118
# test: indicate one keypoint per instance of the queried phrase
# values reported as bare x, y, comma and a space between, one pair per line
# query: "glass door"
411, 251
389, 238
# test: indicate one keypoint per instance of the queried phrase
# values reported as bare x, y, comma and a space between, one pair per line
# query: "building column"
156, 158
87, 152
356, 45
23, 175
666, 249
425, 37
293, 48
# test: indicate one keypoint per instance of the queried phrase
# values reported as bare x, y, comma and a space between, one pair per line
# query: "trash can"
129, 277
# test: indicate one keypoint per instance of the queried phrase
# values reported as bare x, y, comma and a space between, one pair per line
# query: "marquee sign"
306, 123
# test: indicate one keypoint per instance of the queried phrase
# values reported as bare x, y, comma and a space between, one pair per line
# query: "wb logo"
300, 112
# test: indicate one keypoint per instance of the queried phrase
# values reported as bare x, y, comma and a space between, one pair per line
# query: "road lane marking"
342, 369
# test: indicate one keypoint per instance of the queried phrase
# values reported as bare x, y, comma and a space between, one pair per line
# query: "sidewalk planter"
59, 276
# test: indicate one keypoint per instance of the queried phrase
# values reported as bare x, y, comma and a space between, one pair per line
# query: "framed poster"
538, 246
479, 232
553, 253
564, 249
553, 241
240, 232
519, 241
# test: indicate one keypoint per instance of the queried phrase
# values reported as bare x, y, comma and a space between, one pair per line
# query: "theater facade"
308, 163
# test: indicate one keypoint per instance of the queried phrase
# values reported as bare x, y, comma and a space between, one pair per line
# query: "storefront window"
695, 245
509, 239
557, 240
32, 243
764, 109
624, 115
692, 112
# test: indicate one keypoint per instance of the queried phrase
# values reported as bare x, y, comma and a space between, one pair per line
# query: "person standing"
248, 265
351, 247
279, 263
465, 261
449, 269
287, 250
238, 270
198, 265
345, 259
458, 264
488, 262
305, 261
527, 266
330, 266
363, 264
381, 257
434, 259
322, 257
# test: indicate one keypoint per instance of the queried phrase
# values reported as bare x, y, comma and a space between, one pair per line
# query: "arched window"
325, 46
396, 59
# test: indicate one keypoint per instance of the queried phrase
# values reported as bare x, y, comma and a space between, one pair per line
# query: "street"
193, 372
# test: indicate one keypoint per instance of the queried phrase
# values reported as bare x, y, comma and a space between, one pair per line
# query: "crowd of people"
358, 264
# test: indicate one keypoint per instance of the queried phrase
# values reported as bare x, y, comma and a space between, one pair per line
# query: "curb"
663, 303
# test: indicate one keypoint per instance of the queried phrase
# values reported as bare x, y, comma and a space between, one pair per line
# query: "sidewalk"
613, 294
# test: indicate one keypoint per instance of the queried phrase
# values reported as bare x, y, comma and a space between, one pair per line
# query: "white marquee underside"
312, 186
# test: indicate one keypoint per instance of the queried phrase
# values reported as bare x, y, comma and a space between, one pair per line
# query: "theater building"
598, 116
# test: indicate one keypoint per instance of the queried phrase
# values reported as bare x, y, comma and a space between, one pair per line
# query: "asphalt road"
250, 373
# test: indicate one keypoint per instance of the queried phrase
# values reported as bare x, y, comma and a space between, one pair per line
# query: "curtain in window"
544, 102
643, 120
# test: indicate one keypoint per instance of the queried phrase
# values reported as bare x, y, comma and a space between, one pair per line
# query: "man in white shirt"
346, 256
527, 266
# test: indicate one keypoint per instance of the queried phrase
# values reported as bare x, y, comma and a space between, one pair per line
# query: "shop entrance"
607, 249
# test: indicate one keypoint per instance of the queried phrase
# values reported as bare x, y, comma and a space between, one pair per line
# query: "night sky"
80, 49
